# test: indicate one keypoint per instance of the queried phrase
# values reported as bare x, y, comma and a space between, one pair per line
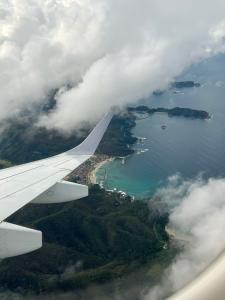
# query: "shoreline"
176, 235
86, 173
92, 175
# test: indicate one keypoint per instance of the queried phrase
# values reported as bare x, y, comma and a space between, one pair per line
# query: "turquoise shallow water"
186, 146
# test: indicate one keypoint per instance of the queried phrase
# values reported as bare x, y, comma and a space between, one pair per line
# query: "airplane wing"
41, 182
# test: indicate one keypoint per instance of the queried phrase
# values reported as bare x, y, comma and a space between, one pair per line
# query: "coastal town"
86, 173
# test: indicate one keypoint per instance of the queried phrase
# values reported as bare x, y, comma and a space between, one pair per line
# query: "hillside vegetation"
96, 239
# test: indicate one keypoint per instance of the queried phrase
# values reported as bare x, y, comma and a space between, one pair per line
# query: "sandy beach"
92, 178
86, 173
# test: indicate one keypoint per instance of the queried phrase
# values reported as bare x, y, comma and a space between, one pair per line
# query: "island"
178, 85
158, 93
172, 112
185, 84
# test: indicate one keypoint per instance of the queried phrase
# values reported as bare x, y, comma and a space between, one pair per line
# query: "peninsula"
172, 112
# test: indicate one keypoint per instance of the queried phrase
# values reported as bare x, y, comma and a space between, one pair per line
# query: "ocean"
185, 147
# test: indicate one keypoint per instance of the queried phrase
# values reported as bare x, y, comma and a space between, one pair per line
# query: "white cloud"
198, 213
110, 51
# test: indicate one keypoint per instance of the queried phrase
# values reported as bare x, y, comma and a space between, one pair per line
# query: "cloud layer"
111, 52
198, 216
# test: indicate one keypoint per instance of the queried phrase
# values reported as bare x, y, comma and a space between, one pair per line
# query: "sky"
98, 54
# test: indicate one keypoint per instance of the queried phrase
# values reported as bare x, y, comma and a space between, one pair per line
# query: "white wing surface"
41, 181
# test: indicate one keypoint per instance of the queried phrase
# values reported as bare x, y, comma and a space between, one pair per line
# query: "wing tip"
90, 144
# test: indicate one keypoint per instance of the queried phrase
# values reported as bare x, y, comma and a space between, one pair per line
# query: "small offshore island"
185, 84
179, 85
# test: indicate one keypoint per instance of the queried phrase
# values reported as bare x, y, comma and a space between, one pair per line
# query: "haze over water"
187, 147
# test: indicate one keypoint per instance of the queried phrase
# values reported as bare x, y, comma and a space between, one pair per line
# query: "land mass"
89, 241
99, 239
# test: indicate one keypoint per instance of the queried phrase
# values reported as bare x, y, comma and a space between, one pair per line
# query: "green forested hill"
99, 238
22, 142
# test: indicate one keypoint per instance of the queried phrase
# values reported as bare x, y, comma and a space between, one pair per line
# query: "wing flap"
62, 191
17, 240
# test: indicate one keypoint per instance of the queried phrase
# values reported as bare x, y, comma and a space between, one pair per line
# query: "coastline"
176, 235
86, 173
92, 175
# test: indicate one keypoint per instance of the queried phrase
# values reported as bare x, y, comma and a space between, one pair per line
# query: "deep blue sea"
188, 147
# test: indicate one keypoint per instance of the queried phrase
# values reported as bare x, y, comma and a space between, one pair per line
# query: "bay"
187, 147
